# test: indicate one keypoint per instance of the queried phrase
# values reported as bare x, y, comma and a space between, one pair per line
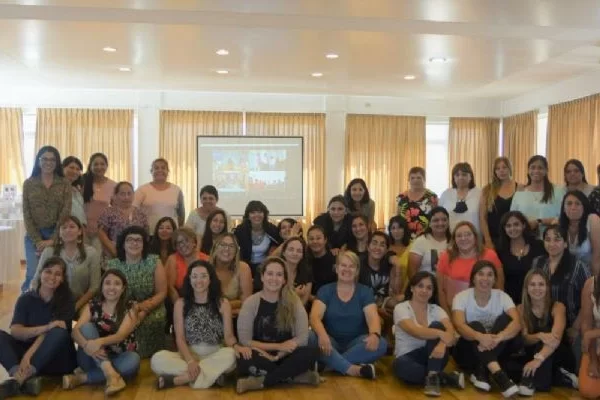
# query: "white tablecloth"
19, 226
9, 260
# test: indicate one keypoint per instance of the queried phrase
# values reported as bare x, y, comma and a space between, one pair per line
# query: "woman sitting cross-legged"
346, 325
104, 333
424, 335
39, 342
589, 372
487, 320
202, 320
274, 324
549, 359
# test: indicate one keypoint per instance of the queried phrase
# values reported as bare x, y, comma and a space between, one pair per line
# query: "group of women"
504, 278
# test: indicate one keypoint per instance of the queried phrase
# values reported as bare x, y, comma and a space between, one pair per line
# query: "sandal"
168, 381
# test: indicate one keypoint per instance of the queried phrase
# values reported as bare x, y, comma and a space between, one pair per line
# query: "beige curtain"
177, 144
519, 141
381, 149
474, 140
312, 128
83, 132
11, 152
574, 132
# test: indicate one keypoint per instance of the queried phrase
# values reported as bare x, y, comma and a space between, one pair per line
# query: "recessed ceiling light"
222, 71
222, 52
409, 77
332, 56
317, 74
438, 60
125, 69
109, 49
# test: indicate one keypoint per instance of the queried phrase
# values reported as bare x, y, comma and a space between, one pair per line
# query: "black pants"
467, 355
283, 370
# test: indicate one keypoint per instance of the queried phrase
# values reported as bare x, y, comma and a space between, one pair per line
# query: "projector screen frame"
199, 137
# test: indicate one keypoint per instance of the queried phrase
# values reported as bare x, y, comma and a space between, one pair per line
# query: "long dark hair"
132, 230
88, 178
59, 244
434, 211
563, 220
402, 223
548, 188
215, 295
155, 243
256, 205
74, 160
209, 237
348, 197
121, 308
352, 241
566, 263
504, 240
302, 264
416, 279
61, 299
37, 170
579, 165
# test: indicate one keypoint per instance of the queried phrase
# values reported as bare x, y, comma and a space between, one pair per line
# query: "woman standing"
197, 220
336, 223
274, 325
575, 177
417, 202
359, 201
72, 168
496, 199
427, 247
47, 198
217, 225
462, 199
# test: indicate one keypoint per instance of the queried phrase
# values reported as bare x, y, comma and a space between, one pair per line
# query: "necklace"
257, 238
519, 253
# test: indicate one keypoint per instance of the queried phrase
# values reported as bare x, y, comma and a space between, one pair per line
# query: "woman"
197, 220
595, 200
217, 225
336, 223
235, 275
299, 272
456, 263
462, 199
359, 235
589, 372
582, 227
543, 323
359, 201
83, 263
72, 168
487, 321
273, 325
119, 216
256, 236
496, 199
289, 227
47, 198
147, 286
202, 323
345, 323
160, 198
320, 259
104, 334
517, 247
424, 335
162, 239
575, 177
39, 342
417, 202
539, 200
97, 194
426, 248
400, 238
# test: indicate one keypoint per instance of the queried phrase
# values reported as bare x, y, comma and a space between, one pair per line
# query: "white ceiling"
496, 48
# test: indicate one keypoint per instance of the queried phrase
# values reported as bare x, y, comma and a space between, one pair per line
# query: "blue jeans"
31, 257
342, 357
126, 364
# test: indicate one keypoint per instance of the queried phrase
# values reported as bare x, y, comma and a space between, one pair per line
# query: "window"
436, 155
542, 126
29, 150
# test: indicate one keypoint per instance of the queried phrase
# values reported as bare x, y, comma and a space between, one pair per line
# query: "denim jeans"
31, 257
342, 357
126, 364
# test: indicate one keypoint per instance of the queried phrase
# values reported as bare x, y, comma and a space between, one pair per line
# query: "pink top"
103, 193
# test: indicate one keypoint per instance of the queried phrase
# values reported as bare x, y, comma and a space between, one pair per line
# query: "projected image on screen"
253, 168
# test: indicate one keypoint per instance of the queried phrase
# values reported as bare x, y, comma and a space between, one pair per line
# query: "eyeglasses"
137, 240
184, 242
47, 160
230, 246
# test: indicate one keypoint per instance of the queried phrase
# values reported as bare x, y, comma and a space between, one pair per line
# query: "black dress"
516, 268
501, 207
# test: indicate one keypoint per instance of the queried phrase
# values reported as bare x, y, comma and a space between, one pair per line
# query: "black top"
335, 239
540, 326
516, 268
265, 324
323, 271
501, 206
378, 280
243, 234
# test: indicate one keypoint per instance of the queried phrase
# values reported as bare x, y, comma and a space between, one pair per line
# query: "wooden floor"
386, 387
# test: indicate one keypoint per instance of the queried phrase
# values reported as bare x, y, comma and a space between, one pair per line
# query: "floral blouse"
595, 200
106, 325
417, 212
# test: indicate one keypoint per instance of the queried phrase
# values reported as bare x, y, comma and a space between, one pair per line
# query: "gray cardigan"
245, 322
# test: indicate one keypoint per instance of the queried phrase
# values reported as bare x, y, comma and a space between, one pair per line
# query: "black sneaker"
526, 387
569, 379
367, 371
454, 379
480, 380
9, 388
432, 385
507, 387
32, 386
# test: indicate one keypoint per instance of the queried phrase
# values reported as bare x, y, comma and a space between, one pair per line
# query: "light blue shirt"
530, 204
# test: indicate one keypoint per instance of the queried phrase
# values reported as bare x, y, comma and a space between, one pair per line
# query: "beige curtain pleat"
573, 132
11, 147
177, 144
381, 149
474, 140
312, 128
519, 141
83, 132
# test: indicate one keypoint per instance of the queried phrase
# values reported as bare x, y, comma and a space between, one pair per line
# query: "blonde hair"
233, 266
490, 191
285, 314
353, 257
453, 250
528, 315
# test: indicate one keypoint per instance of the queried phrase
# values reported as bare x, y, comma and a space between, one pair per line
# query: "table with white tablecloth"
9, 259
19, 226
